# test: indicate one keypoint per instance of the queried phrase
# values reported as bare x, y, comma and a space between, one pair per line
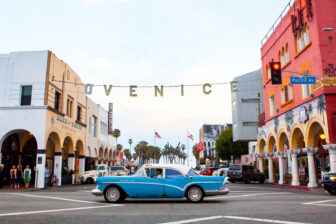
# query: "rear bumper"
223, 191
97, 192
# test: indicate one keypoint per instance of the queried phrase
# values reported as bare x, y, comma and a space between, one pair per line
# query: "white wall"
22, 68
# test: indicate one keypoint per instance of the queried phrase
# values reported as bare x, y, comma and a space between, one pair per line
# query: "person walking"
46, 176
13, 178
19, 175
27, 176
2, 173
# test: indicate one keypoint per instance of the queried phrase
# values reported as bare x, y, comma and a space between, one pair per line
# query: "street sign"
303, 80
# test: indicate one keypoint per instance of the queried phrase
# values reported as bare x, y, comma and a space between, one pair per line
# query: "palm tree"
128, 154
321, 105
289, 117
119, 147
194, 150
116, 134
130, 142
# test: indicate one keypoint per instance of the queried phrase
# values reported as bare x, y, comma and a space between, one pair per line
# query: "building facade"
247, 103
296, 141
208, 134
43, 117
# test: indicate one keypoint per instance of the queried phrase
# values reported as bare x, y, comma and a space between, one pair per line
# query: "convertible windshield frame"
140, 172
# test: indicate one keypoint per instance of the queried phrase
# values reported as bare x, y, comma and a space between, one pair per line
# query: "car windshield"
192, 173
139, 173
112, 168
235, 167
101, 168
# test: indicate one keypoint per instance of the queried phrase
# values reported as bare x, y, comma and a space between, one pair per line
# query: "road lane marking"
56, 198
329, 205
56, 210
249, 195
263, 220
194, 220
317, 202
233, 217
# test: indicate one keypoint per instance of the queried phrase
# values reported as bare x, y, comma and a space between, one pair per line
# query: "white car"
89, 177
221, 172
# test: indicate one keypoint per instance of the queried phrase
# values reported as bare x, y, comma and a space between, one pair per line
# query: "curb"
290, 186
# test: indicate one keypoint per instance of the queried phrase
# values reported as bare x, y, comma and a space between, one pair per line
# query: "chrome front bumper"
223, 191
97, 192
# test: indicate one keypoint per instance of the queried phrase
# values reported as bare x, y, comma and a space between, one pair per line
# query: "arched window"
287, 53
302, 39
268, 72
306, 39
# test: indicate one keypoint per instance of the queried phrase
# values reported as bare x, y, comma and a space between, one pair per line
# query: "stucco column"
260, 162
40, 168
81, 166
58, 167
281, 167
311, 166
270, 168
71, 162
295, 173
332, 156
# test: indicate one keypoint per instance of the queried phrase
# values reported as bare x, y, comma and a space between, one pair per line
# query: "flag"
191, 137
157, 135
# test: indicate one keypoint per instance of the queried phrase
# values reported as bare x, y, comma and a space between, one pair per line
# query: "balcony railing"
277, 21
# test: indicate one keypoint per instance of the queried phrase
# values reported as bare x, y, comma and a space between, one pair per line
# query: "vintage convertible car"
160, 181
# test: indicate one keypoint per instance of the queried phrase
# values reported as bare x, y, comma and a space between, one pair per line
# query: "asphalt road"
252, 203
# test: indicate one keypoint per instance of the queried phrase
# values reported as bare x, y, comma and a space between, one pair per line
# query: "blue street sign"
303, 80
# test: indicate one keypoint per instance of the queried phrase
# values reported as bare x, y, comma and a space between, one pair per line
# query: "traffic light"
276, 73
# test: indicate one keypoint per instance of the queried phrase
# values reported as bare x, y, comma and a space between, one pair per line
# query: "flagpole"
187, 147
154, 146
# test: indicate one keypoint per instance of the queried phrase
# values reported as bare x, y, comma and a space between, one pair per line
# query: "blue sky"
148, 42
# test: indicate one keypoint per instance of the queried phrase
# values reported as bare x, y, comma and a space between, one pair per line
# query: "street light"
328, 29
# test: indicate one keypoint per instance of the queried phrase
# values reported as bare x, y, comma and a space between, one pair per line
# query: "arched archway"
79, 153
261, 146
271, 146
67, 151
18, 147
283, 143
297, 140
316, 135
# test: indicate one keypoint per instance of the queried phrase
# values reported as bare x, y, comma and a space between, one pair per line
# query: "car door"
175, 183
150, 186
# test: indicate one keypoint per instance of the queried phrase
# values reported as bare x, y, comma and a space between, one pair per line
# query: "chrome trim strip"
168, 185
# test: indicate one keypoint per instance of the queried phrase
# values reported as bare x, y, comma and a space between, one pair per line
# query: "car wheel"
247, 180
113, 195
195, 194
332, 192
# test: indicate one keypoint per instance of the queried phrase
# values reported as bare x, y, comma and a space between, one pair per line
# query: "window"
268, 72
103, 128
57, 100
250, 124
26, 95
69, 107
272, 105
302, 39
173, 173
93, 126
306, 89
192, 173
79, 113
286, 94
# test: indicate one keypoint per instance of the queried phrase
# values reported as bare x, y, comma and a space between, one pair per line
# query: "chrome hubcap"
194, 194
113, 194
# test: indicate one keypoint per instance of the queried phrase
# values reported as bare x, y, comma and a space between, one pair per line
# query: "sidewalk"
317, 190
68, 187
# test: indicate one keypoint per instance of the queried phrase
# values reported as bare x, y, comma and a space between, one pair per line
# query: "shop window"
286, 94
94, 126
272, 105
79, 113
26, 95
57, 100
69, 107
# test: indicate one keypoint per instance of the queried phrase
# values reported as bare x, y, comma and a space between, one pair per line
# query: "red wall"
315, 57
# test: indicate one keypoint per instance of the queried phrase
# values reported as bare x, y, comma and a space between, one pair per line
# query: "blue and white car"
160, 181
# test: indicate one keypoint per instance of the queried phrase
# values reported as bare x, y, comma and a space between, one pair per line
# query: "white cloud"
93, 3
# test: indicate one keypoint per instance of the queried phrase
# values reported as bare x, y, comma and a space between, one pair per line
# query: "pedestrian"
27, 176
46, 176
19, 175
2, 173
12, 174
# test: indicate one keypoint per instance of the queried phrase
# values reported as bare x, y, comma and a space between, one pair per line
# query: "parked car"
160, 181
89, 177
329, 183
221, 172
238, 172
207, 171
